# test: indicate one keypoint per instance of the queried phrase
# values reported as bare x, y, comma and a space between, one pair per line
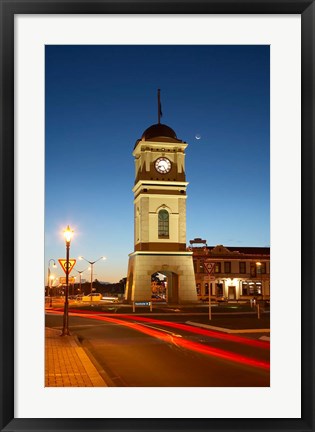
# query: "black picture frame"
8, 10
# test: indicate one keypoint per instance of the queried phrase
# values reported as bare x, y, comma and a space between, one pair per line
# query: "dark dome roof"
158, 130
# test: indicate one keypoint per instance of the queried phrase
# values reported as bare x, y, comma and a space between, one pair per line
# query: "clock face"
163, 165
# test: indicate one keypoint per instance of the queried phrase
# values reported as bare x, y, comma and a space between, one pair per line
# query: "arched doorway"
164, 287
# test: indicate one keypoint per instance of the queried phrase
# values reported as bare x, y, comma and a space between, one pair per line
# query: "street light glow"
68, 233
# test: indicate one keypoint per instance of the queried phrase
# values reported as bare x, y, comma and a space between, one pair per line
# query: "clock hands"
163, 165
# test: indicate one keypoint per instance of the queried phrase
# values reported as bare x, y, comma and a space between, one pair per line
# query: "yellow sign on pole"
62, 280
63, 263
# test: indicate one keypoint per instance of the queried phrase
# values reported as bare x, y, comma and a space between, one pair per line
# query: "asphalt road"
133, 351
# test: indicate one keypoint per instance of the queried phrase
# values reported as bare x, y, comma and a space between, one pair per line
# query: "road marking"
226, 330
162, 330
265, 338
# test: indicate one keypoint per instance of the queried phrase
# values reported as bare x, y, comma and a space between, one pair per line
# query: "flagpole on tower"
159, 106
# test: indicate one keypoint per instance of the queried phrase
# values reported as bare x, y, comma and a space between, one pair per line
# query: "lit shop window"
217, 268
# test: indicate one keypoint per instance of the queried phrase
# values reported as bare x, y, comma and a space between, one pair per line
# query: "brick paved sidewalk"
67, 364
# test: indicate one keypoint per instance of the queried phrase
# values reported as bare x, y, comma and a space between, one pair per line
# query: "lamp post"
259, 266
51, 278
80, 274
68, 236
92, 264
48, 276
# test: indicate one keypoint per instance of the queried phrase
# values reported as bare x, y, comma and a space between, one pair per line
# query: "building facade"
239, 273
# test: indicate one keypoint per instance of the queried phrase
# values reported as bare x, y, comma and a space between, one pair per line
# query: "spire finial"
159, 106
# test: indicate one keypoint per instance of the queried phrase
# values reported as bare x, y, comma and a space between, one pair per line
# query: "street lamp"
68, 236
92, 264
259, 265
80, 274
48, 277
51, 278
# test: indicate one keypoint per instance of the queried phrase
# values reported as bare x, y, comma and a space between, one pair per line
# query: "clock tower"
160, 218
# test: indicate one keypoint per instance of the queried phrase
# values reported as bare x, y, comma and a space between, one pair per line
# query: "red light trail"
194, 346
184, 327
204, 332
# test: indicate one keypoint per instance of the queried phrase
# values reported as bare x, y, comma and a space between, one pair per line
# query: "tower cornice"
159, 184
158, 146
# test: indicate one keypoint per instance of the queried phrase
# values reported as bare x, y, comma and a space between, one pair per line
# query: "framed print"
194, 336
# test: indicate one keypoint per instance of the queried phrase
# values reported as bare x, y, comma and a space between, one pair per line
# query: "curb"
109, 382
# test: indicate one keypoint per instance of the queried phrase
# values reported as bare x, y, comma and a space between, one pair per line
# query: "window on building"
261, 268
254, 288
217, 268
206, 288
253, 269
227, 267
264, 268
245, 288
164, 222
219, 289
242, 267
198, 288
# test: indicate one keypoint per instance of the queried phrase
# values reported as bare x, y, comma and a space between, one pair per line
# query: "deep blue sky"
100, 99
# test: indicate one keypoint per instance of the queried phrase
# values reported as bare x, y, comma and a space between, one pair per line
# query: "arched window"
164, 221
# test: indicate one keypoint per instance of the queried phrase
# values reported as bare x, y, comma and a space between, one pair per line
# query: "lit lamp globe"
68, 233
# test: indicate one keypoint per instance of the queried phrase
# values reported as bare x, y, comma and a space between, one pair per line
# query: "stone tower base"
177, 266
